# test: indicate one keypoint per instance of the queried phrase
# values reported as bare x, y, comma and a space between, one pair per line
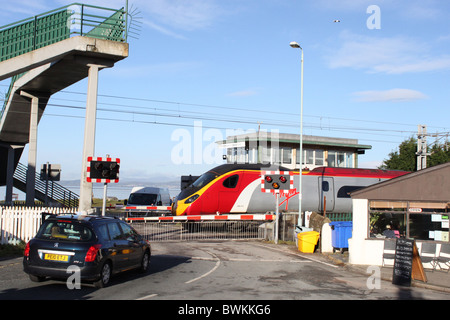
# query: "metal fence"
204, 230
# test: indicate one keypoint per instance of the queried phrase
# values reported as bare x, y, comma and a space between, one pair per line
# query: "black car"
99, 246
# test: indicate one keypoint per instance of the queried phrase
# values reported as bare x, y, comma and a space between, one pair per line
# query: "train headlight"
283, 179
269, 179
192, 199
275, 185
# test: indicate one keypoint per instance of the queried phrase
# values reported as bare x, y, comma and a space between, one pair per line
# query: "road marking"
148, 297
264, 260
209, 272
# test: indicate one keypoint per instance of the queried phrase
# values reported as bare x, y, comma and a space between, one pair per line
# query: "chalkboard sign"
403, 262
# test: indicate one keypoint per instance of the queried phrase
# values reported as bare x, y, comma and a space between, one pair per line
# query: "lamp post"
295, 45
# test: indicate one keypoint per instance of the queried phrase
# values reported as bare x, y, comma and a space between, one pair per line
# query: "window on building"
349, 160
297, 156
276, 156
341, 159
265, 154
331, 159
286, 155
309, 156
319, 157
418, 224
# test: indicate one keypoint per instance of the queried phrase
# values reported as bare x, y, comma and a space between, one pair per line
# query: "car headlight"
192, 199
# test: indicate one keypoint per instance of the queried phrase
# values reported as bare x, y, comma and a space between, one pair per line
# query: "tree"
440, 153
403, 159
406, 159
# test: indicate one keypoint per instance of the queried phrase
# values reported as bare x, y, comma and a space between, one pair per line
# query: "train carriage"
236, 188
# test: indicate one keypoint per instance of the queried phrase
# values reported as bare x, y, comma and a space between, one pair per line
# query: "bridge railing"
56, 192
53, 26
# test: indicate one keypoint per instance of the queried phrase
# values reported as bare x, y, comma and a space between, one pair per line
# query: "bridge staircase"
45, 54
52, 193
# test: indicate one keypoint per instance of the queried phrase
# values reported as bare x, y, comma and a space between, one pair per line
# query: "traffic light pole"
105, 188
277, 217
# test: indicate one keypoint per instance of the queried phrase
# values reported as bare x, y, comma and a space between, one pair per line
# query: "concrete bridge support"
32, 149
89, 135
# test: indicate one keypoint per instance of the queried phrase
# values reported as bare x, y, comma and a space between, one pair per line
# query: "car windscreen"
69, 230
142, 198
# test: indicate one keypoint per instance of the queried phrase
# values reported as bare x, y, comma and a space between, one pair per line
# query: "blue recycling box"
341, 231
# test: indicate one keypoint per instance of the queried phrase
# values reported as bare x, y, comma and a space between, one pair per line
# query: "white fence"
21, 223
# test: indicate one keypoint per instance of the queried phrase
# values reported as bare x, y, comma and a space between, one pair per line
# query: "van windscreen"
142, 199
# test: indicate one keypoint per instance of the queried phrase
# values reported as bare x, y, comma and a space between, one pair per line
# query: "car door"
119, 246
133, 243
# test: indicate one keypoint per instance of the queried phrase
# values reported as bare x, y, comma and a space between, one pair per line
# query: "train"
239, 189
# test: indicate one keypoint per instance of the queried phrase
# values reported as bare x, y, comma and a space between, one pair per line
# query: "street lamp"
295, 45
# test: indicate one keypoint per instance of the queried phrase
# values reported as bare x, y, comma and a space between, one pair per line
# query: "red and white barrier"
157, 208
231, 217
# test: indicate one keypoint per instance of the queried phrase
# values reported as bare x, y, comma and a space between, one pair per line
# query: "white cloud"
394, 55
170, 17
392, 95
180, 14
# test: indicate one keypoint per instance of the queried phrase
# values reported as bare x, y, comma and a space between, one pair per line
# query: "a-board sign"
407, 263
403, 262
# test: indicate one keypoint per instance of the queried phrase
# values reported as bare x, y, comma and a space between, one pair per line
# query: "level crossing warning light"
277, 181
103, 170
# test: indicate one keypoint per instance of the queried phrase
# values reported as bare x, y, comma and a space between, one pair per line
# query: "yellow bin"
307, 241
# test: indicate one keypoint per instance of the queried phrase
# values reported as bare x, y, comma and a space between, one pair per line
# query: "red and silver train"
236, 188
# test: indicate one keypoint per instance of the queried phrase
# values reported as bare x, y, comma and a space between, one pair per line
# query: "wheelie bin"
341, 231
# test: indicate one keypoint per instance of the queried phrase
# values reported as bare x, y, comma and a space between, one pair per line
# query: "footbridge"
43, 55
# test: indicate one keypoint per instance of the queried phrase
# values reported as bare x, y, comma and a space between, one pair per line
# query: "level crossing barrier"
207, 227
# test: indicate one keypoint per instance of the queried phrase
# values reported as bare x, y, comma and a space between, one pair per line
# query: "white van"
149, 196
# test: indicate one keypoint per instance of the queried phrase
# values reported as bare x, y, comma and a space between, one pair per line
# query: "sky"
201, 70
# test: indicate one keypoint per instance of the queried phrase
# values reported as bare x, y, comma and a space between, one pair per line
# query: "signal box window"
231, 182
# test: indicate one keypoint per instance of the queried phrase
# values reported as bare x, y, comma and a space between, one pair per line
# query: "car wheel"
105, 276
145, 262
36, 278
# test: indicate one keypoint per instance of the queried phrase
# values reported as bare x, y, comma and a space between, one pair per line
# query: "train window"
231, 182
344, 192
325, 186
204, 179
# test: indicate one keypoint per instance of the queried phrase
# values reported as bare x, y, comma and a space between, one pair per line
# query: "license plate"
56, 257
